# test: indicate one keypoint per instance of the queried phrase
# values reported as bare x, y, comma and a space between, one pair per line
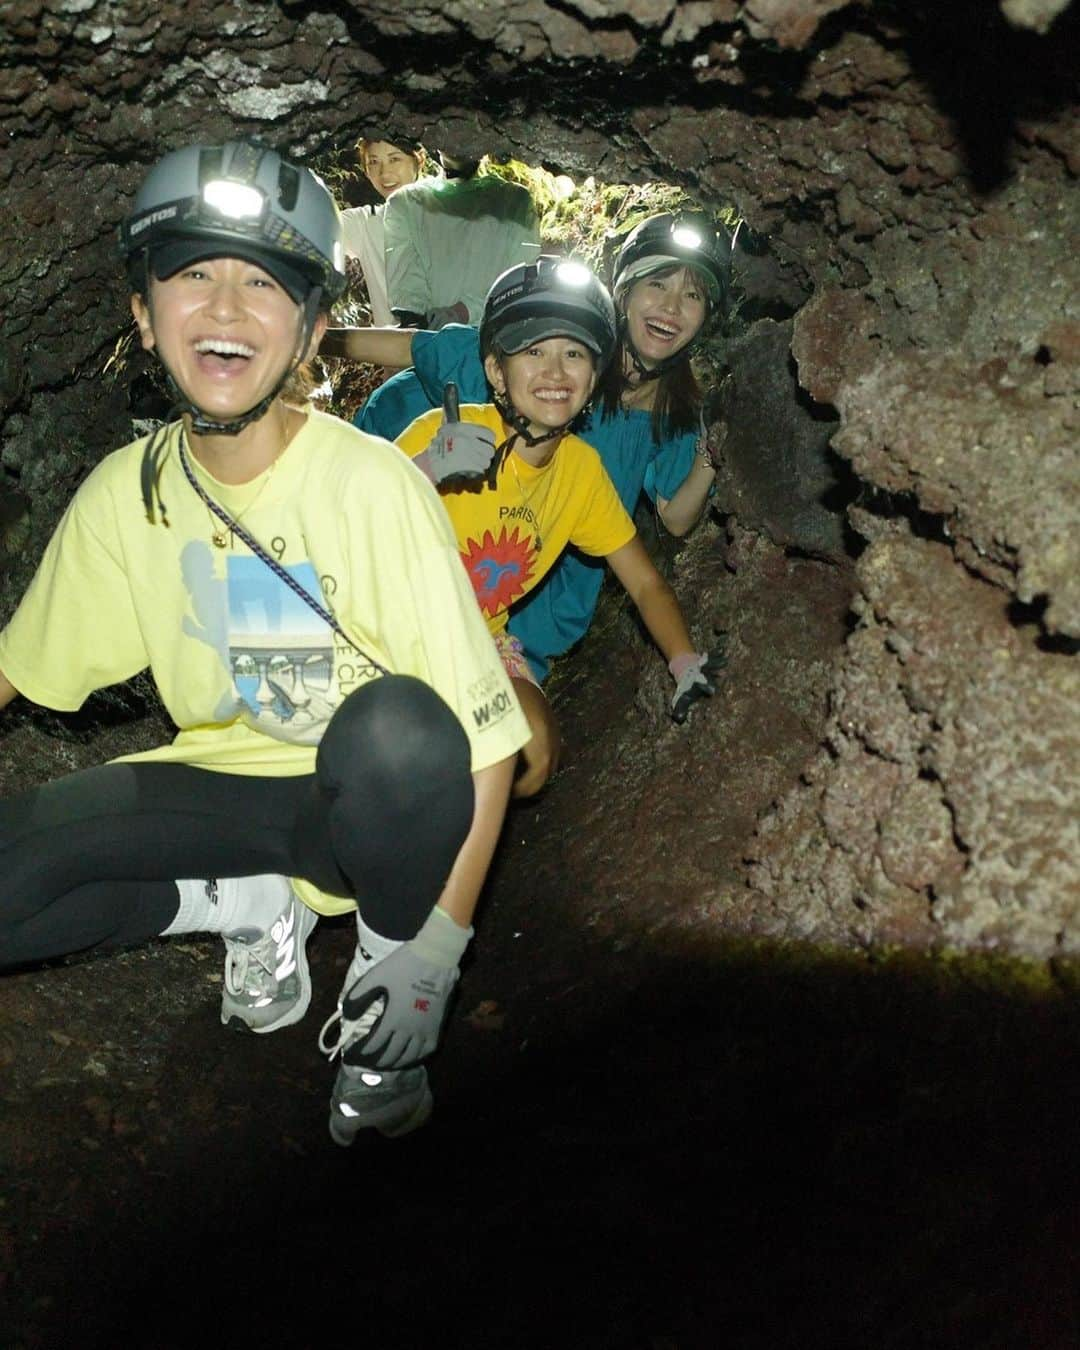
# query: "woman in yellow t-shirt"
347, 734
519, 486
669, 283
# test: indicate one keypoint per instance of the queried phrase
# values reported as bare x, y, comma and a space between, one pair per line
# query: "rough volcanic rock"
775, 473
656, 1017
789, 23
945, 807
913, 169
1037, 14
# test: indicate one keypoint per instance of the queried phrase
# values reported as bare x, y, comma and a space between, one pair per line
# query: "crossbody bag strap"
280, 572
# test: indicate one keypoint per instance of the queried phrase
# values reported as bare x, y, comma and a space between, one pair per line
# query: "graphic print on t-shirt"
499, 569
276, 654
281, 653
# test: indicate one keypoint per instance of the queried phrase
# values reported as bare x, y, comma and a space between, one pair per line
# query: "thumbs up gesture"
461, 451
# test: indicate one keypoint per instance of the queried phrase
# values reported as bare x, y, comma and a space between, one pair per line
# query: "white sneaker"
391, 1101
267, 981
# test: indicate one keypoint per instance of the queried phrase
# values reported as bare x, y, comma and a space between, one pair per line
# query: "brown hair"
304, 380
300, 385
677, 405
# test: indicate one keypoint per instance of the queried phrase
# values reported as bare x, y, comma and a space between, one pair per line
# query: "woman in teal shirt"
669, 285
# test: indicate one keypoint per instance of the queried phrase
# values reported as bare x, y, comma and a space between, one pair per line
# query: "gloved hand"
415, 983
694, 676
460, 450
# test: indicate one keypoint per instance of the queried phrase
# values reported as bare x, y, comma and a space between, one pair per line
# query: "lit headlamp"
234, 201
573, 274
686, 237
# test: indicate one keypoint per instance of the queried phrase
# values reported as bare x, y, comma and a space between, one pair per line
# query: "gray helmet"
236, 200
551, 297
688, 239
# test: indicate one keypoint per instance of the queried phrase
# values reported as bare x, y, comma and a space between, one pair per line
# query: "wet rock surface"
741, 1052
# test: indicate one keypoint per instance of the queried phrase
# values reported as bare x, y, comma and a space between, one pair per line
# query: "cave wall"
914, 169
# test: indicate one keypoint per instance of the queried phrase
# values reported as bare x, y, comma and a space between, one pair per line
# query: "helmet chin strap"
156, 448
643, 372
520, 423
646, 373
202, 424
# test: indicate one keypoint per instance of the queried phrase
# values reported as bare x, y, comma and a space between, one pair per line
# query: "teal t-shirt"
558, 613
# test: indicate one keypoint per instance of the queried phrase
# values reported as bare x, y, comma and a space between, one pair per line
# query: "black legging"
90, 860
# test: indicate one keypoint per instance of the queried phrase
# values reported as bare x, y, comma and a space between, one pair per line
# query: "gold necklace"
219, 534
526, 500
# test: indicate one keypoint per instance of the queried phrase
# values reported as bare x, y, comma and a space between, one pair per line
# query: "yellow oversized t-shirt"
246, 669
511, 535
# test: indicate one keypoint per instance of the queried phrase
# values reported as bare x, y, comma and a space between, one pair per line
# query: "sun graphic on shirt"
499, 569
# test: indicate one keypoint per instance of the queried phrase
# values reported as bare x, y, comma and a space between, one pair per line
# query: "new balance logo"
283, 932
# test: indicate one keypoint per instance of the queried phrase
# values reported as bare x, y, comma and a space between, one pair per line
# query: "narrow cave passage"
769, 1038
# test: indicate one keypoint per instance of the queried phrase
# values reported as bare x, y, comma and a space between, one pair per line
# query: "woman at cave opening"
347, 733
520, 487
669, 282
388, 164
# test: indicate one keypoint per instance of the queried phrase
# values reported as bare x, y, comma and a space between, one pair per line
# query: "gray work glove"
461, 451
694, 675
415, 984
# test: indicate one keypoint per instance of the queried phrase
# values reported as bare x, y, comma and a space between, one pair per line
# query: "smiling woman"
387, 166
230, 335
664, 311
548, 329
346, 731
547, 383
242, 208
670, 284
670, 281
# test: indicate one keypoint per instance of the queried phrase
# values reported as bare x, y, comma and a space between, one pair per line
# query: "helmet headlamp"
234, 201
573, 274
686, 237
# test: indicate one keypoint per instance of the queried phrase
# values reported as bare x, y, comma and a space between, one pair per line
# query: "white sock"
229, 904
371, 948
374, 946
